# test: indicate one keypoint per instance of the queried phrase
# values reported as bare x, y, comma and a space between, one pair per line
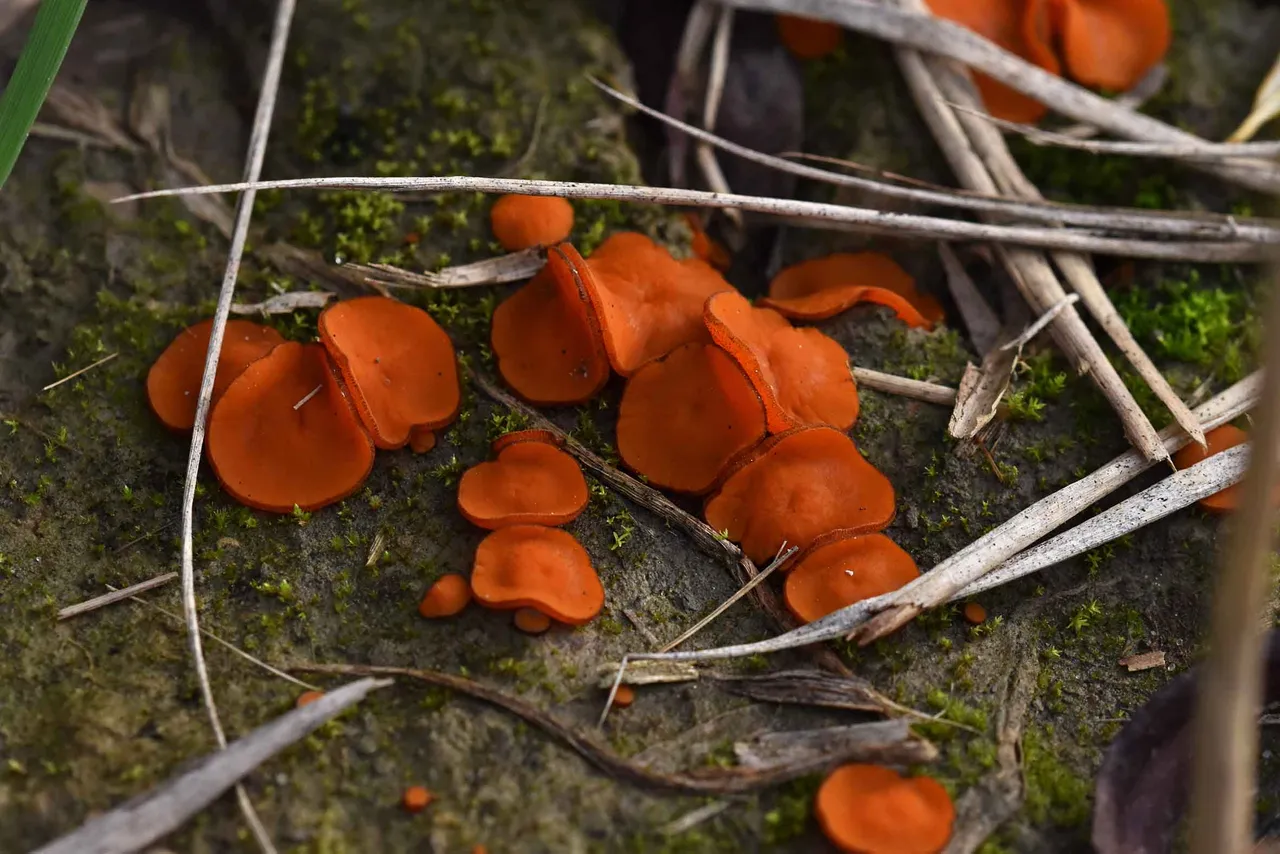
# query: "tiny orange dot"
479, 849
416, 798
626, 696
532, 621
975, 613
308, 697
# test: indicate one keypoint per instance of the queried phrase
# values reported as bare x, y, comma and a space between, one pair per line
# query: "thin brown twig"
1230, 689
926, 392
115, 596
886, 742
784, 554
69, 377
646, 496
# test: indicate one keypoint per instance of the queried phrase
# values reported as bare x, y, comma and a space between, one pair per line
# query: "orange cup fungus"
421, 439
546, 336
648, 303
870, 809
546, 437
522, 222
1108, 44
684, 416
448, 596
974, 614
839, 570
807, 38
796, 487
416, 798
285, 435
531, 566
398, 364
624, 696
173, 383
802, 376
1219, 439
704, 247
824, 287
529, 483
531, 621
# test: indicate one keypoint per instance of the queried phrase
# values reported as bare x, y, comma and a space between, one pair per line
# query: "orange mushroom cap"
684, 416
807, 38
802, 375
1018, 26
446, 597
1111, 44
1219, 439
870, 809
271, 450
522, 222
530, 566
398, 364
648, 302
173, 383
796, 487
531, 621
839, 569
974, 614
624, 696
516, 436
704, 247
421, 440
416, 798
824, 287
546, 336
529, 483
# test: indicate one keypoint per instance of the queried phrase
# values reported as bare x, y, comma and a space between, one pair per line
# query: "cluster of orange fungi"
1106, 44
295, 425
526, 564
726, 399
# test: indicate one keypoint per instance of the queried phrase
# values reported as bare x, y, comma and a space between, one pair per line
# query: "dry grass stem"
115, 596
873, 618
809, 214
1030, 271
979, 317
286, 303
1179, 490
512, 267
1229, 691
784, 554
244, 210
1075, 269
1174, 151
1038, 325
706, 157
911, 29
1189, 225
69, 377
904, 387
140, 822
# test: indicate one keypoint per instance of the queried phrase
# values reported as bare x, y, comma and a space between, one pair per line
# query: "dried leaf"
285, 303
803, 687
807, 746
1143, 661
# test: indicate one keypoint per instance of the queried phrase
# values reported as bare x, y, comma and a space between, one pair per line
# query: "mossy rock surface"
100, 708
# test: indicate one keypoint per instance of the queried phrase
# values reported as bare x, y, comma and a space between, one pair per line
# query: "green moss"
788, 817
1055, 794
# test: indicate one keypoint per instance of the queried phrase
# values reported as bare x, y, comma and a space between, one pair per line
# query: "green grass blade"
55, 24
